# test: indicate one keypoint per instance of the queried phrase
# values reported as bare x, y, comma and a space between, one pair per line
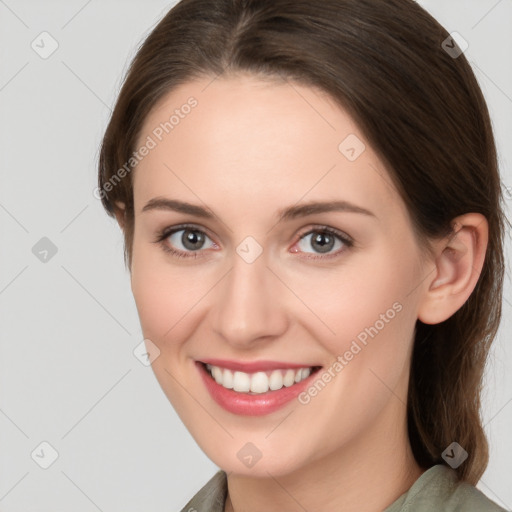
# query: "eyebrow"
291, 212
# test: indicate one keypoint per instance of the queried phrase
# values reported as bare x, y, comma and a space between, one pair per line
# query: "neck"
366, 475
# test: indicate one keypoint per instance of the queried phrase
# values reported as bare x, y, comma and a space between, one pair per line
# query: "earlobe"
458, 265
119, 213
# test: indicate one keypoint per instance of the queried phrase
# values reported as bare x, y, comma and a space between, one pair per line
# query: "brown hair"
422, 111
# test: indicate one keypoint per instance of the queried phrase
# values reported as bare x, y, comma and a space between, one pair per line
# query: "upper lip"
254, 366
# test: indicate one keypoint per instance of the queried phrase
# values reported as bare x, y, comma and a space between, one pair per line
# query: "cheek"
373, 322
157, 292
354, 296
168, 297
365, 312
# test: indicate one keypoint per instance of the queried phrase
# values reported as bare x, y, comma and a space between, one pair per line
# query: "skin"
250, 148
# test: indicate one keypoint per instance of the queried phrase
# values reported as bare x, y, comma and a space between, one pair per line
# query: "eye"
184, 241
189, 241
324, 240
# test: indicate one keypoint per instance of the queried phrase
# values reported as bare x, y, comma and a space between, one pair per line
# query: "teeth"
259, 382
217, 374
289, 378
241, 382
228, 381
276, 380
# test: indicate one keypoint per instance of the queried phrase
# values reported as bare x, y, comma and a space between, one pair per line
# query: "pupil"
325, 242
192, 239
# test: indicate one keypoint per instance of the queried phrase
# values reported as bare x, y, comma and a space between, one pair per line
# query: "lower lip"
251, 405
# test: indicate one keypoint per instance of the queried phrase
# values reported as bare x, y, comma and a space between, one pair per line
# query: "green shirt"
437, 489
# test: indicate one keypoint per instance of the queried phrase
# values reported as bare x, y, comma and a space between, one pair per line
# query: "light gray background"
68, 326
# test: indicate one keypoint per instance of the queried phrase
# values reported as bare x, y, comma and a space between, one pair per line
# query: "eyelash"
167, 232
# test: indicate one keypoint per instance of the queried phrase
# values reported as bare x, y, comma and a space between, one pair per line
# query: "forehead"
243, 139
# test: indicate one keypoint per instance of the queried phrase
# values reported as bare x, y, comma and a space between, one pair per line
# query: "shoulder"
468, 498
438, 489
211, 497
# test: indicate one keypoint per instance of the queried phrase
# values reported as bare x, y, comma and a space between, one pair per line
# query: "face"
296, 252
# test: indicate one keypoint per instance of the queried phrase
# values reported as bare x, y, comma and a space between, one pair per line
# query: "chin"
246, 459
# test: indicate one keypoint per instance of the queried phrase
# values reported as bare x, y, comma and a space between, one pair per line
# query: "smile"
263, 388
259, 382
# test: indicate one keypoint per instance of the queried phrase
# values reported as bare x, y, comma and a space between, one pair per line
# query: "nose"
248, 304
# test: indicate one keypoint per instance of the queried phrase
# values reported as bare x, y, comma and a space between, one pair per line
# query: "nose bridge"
248, 305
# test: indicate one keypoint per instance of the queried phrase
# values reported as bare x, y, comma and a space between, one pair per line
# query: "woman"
312, 215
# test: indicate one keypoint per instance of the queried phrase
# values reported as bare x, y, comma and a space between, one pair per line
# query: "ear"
458, 264
119, 212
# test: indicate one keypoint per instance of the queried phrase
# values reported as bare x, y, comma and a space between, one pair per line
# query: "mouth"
258, 382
